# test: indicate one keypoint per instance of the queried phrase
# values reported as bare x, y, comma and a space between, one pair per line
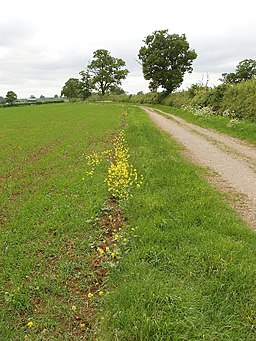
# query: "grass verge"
191, 272
242, 129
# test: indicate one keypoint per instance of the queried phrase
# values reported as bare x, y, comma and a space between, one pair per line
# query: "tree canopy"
245, 70
10, 97
86, 84
165, 58
72, 88
106, 72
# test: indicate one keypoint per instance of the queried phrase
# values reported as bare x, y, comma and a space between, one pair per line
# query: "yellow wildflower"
100, 250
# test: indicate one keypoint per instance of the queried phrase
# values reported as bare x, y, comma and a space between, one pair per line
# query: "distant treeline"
234, 100
38, 102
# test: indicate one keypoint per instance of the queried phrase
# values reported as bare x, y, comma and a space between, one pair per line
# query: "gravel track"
232, 159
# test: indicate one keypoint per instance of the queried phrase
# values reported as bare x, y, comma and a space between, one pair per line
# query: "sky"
44, 43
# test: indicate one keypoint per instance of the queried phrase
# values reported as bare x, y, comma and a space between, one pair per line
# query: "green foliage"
85, 85
241, 99
236, 100
151, 98
72, 89
245, 70
10, 97
117, 90
165, 59
106, 71
177, 99
215, 95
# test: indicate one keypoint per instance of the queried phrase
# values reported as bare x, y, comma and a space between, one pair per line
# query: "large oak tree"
165, 58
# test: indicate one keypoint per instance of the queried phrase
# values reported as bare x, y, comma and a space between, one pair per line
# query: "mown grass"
48, 208
191, 272
242, 129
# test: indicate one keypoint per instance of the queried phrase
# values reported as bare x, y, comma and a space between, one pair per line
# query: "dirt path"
232, 160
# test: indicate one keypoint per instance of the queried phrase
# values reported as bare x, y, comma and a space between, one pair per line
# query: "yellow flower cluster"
122, 176
95, 159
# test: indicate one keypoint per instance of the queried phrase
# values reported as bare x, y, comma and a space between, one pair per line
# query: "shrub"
241, 100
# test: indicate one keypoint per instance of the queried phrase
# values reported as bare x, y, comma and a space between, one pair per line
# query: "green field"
187, 272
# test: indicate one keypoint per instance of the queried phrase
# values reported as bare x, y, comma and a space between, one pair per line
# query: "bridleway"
231, 159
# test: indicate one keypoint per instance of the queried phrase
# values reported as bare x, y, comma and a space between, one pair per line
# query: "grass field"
190, 270
241, 129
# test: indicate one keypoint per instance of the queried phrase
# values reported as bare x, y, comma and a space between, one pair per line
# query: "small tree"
245, 70
106, 71
10, 97
72, 89
165, 58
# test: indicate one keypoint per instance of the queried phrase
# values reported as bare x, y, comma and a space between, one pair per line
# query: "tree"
10, 97
86, 84
245, 70
165, 58
106, 71
72, 88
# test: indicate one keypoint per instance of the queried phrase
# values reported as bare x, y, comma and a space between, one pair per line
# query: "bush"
241, 100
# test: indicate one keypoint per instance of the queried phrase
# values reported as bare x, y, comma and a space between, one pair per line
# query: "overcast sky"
44, 43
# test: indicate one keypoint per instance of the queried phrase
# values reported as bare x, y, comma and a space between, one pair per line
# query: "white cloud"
42, 44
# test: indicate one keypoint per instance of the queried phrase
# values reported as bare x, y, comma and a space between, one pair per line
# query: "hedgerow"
235, 100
